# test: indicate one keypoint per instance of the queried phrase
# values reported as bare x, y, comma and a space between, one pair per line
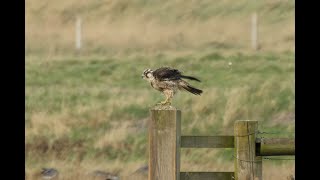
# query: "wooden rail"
206, 175
207, 141
275, 146
165, 142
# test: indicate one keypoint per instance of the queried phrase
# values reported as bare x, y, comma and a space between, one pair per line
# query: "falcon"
168, 81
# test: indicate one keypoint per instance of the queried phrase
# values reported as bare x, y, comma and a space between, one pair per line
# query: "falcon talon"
168, 81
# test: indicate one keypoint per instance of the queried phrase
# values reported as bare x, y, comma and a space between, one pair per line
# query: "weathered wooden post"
164, 144
248, 166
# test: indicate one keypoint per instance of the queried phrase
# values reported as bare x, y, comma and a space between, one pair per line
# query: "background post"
254, 31
164, 144
78, 33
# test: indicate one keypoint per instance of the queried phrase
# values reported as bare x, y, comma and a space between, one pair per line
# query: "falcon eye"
148, 74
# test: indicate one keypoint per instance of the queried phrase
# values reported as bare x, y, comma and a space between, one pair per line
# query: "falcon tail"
189, 77
192, 90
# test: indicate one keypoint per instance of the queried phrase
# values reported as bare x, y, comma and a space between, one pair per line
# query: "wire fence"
263, 25
264, 158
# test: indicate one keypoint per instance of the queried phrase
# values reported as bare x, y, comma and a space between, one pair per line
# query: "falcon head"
147, 74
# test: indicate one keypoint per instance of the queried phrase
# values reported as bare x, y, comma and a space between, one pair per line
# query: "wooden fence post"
164, 144
248, 166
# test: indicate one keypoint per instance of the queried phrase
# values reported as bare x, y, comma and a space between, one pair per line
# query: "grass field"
89, 111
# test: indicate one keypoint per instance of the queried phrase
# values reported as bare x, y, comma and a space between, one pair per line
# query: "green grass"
93, 96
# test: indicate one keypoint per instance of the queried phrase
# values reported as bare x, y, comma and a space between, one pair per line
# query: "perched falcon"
169, 81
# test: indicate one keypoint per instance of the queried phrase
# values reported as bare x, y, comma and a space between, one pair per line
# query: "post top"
164, 107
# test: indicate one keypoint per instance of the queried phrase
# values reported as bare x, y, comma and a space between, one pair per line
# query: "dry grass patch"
42, 123
236, 105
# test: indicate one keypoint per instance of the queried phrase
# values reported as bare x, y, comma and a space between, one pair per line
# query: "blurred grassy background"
88, 110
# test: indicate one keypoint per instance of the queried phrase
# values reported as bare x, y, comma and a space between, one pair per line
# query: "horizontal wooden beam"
207, 141
275, 146
264, 146
206, 175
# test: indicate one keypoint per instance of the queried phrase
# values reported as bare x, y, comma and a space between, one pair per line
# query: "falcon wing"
166, 73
